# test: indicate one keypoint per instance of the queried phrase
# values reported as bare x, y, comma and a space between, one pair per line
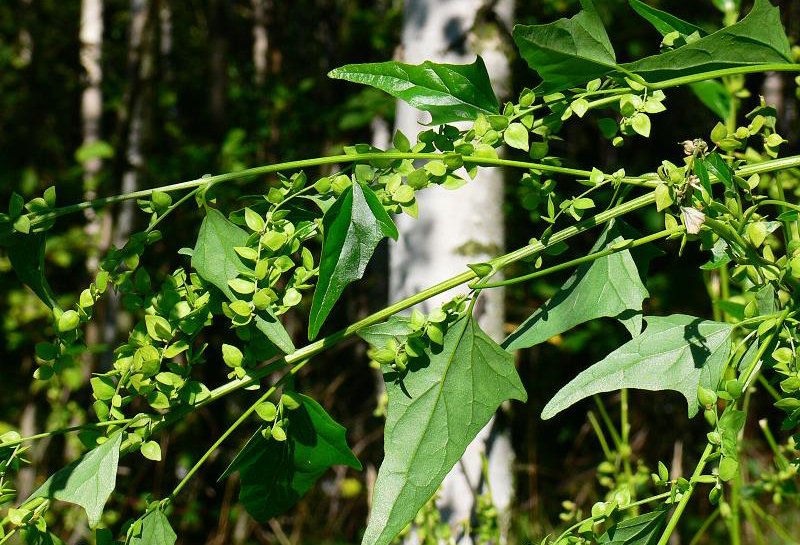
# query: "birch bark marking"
260, 40
91, 54
455, 230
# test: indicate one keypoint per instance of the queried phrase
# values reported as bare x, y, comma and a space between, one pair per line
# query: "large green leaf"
88, 481
450, 92
757, 39
26, 254
642, 530
353, 226
567, 52
216, 261
434, 412
677, 352
607, 287
156, 530
664, 22
276, 474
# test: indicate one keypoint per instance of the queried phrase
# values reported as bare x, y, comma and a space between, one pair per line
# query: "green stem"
581, 260
242, 418
612, 430
171, 208
684, 501
62, 431
601, 437
631, 505
704, 527
774, 524
751, 519
747, 376
625, 451
780, 460
768, 387
315, 348
305, 163
714, 74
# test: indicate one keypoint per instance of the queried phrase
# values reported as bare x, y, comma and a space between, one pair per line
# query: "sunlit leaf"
434, 412
450, 92
677, 352
354, 226
88, 481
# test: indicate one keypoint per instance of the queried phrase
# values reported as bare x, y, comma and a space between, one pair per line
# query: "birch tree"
453, 231
91, 50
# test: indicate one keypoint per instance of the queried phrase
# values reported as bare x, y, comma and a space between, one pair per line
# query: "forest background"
164, 91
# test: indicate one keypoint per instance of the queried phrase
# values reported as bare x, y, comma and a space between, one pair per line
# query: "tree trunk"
260, 40
91, 37
140, 61
458, 228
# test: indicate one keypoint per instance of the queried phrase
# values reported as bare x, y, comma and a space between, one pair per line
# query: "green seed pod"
68, 321
706, 397
323, 185
291, 400
734, 388
384, 356
278, 433
715, 495
711, 416
340, 183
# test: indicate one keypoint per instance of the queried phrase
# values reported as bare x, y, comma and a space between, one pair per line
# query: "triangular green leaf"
568, 52
434, 412
276, 474
88, 481
156, 530
26, 254
642, 530
664, 22
757, 39
607, 287
450, 92
353, 226
216, 261
677, 352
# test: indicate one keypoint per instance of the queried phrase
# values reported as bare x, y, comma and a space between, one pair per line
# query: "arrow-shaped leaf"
156, 530
88, 481
450, 92
276, 474
567, 52
26, 254
642, 530
664, 22
353, 227
677, 352
757, 39
434, 412
607, 287
216, 261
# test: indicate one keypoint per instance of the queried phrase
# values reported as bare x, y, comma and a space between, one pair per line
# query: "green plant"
444, 376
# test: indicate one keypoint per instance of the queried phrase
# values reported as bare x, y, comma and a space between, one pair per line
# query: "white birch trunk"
91, 38
260, 40
456, 228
